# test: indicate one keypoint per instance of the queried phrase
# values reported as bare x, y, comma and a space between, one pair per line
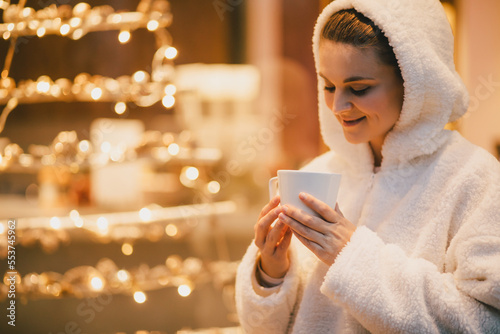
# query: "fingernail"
302, 195
285, 209
282, 217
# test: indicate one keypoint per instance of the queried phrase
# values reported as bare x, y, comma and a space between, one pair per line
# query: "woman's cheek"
329, 99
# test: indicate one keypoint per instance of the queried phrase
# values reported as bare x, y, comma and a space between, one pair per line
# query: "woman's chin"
354, 140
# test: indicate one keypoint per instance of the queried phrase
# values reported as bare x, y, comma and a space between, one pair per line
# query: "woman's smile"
352, 122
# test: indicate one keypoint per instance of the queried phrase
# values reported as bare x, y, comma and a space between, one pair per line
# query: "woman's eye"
360, 92
330, 89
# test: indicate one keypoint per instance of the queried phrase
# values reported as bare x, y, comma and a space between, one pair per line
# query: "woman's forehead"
346, 61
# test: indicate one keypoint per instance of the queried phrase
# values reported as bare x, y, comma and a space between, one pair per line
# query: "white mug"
290, 183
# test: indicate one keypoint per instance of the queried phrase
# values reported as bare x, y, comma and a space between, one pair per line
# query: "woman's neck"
376, 147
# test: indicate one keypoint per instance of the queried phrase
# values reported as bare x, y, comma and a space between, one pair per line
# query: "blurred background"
139, 142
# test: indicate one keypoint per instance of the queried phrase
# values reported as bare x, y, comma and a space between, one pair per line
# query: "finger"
287, 238
274, 237
275, 201
305, 219
311, 245
262, 226
323, 209
301, 228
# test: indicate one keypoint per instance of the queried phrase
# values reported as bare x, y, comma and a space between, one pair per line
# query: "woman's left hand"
326, 235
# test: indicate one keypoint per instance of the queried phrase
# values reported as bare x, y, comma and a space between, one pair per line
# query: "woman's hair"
351, 27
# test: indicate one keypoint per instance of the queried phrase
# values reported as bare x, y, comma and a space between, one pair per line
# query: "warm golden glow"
171, 230
145, 214
192, 173
40, 32
184, 290
96, 283
55, 223
120, 108
170, 89
213, 187
84, 146
170, 53
64, 30
96, 93
127, 249
102, 223
173, 149
153, 25
168, 101
139, 297
122, 275
124, 36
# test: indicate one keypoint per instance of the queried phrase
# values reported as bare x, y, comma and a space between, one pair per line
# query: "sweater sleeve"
261, 312
389, 292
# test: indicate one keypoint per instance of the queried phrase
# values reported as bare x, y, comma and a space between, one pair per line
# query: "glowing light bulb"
84, 146
170, 89
96, 283
192, 173
81, 8
96, 93
106, 147
77, 34
116, 18
120, 108
171, 230
213, 187
168, 101
79, 222
139, 297
145, 214
102, 223
170, 53
139, 76
127, 249
184, 290
40, 32
122, 275
153, 25
74, 215
55, 223
124, 36
75, 22
43, 87
64, 30
173, 149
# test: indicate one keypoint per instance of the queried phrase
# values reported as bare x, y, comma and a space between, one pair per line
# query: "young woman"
413, 245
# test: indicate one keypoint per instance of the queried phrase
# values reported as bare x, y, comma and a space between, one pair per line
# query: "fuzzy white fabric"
425, 257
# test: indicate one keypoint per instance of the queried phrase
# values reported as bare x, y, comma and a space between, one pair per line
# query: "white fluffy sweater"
425, 257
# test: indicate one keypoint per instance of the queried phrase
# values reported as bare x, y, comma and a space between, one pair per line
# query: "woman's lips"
354, 122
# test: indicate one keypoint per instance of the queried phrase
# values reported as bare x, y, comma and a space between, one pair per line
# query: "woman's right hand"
273, 241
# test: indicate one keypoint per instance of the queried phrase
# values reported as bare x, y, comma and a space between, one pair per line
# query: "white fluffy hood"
421, 37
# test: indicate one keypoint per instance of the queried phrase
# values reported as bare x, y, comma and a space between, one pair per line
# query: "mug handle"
273, 187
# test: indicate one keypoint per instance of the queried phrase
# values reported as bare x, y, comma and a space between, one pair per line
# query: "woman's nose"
340, 103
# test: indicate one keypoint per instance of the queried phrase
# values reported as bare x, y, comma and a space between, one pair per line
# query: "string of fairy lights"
106, 278
142, 88
20, 23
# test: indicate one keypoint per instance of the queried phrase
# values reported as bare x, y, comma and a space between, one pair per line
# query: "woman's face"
365, 95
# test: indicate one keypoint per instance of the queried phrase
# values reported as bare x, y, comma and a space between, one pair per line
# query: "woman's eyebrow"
357, 78
350, 79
